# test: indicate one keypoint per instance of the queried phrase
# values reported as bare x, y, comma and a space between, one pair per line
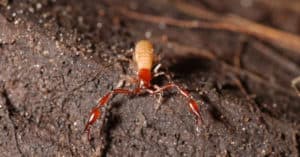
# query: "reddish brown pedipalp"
96, 113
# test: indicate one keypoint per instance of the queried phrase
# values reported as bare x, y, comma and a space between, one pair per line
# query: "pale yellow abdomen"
143, 55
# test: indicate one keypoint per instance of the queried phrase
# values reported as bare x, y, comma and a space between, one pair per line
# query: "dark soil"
58, 57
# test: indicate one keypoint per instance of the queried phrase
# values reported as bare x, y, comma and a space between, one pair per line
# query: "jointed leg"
125, 80
96, 113
160, 97
156, 72
192, 103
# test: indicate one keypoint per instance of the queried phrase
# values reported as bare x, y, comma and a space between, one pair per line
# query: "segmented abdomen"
143, 55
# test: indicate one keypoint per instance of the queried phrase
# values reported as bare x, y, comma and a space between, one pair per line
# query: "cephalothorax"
143, 57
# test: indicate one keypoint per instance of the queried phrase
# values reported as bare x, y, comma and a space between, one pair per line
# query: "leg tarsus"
160, 98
